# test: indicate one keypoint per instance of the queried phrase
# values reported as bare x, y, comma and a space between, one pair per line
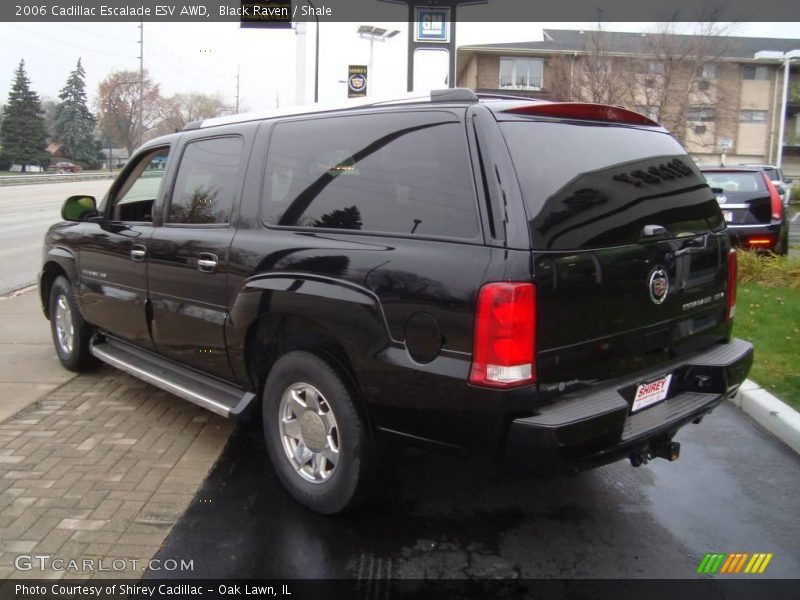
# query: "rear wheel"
71, 334
318, 438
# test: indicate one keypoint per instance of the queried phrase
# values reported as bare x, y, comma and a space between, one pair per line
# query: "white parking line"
794, 218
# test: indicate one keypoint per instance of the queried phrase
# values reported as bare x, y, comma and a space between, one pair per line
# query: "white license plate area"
650, 393
727, 215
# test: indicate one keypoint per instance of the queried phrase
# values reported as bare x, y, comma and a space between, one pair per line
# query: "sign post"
433, 27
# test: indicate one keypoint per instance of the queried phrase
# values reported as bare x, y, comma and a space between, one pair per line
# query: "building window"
651, 67
753, 116
699, 129
521, 73
708, 71
651, 112
700, 115
753, 72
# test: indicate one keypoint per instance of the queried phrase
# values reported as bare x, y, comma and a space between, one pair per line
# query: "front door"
188, 275
113, 257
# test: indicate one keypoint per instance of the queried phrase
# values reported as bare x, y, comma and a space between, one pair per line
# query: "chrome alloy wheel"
65, 331
309, 432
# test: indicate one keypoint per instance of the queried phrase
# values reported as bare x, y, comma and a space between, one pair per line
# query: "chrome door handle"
138, 252
207, 262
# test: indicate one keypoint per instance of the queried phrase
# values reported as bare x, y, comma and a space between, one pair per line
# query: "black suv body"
547, 284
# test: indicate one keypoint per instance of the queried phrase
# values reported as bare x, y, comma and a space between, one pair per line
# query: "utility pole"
238, 67
141, 81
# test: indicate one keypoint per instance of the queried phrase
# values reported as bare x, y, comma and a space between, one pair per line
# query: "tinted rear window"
595, 185
403, 173
731, 181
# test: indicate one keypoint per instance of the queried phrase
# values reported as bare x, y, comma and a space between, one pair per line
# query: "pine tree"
74, 124
22, 129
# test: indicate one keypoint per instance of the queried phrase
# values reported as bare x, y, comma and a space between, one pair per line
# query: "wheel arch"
276, 313
58, 262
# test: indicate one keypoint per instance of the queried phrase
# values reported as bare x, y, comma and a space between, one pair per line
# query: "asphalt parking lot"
734, 489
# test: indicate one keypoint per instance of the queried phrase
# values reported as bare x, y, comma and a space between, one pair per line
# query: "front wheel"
71, 334
318, 438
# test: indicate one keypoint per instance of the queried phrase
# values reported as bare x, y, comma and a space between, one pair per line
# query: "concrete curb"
777, 417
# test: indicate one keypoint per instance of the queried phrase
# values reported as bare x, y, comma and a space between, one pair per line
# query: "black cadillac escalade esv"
542, 283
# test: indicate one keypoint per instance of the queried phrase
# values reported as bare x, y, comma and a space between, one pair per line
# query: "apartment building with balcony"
720, 101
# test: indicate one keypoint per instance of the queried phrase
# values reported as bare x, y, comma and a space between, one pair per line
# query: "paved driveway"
735, 489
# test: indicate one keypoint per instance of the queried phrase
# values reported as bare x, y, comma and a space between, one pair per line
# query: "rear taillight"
775, 200
504, 346
760, 241
732, 274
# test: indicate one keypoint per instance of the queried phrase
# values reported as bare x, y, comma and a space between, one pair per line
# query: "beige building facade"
721, 102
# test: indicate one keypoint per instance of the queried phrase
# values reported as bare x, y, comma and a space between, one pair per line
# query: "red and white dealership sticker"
651, 393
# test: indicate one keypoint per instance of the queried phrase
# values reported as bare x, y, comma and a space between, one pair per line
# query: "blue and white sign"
432, 25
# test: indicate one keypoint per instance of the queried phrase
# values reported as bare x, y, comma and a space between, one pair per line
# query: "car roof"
450, 97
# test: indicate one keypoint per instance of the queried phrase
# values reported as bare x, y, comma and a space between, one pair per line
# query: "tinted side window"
395, 173
207, 180
137, 194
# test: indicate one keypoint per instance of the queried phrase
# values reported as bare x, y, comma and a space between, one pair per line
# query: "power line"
194, 68
155, 66
41, 35
56, 54
105, 35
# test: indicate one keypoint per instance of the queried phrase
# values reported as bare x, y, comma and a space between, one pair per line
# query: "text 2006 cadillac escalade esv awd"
545, 283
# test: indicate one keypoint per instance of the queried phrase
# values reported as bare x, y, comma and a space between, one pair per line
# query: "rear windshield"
589, 185
741, 181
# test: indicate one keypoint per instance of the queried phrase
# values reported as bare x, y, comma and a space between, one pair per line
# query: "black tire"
353, 479
75, 356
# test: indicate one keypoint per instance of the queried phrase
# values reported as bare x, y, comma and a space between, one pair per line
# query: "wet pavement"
735, 489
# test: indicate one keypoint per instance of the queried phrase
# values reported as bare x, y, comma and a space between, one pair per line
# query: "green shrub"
769, 270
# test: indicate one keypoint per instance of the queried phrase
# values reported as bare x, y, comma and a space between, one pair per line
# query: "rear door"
629, 248
189, 254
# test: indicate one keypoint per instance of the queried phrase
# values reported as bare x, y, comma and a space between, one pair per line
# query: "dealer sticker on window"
651, 393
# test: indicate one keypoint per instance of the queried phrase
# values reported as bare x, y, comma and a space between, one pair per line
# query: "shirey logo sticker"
738, 562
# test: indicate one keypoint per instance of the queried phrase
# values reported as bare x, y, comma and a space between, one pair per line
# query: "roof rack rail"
446, 95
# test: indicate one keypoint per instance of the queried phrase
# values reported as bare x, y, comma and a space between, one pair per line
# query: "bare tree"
180, 109
593, 75
679, 80
673, 74
117, 107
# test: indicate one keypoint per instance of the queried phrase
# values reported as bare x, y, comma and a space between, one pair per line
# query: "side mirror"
79, 208
787, 180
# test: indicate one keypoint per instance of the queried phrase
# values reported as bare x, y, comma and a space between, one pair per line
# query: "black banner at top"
279, 13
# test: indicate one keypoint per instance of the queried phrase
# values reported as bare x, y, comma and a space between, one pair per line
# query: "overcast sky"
204, 57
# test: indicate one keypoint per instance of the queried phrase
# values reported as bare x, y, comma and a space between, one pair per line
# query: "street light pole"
316, 53
373, 33
782, 120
